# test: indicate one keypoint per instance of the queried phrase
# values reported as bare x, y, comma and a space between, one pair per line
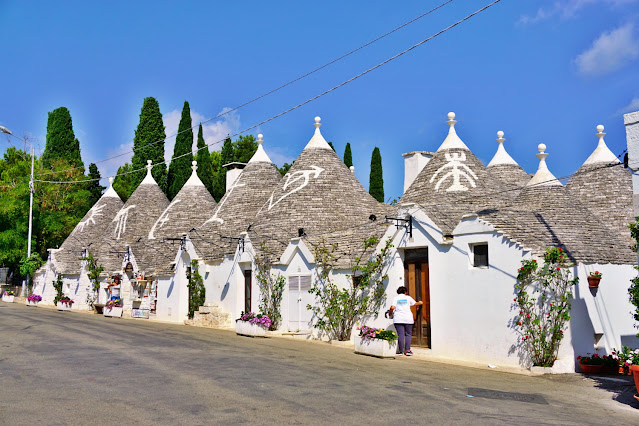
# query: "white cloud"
214, 130
609, 52
631, 107
567, 9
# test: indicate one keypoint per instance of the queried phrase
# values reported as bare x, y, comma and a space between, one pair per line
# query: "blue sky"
541, 71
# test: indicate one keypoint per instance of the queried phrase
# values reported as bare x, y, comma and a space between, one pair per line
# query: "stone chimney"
631, 120
414, 162
233, 171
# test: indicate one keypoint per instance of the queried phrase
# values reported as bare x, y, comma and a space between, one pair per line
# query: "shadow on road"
622, 387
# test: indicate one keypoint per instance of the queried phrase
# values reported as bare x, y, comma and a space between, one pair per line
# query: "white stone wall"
631, 121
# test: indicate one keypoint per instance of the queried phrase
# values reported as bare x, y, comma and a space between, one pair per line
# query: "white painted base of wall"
246, 328
63, 306
561, 366
376, 347
7, 299
31, 303
112, 312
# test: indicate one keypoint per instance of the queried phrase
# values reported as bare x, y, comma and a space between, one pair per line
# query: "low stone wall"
212, 316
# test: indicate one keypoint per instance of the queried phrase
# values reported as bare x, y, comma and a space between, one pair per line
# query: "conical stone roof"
505, 169
605, 187
453, 183
190, 207
88, 232
238, 207
320, 194
133, 221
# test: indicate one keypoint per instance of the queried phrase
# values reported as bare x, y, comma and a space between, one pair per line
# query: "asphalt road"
73, 368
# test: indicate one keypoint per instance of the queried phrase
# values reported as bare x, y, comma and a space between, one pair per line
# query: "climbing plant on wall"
57, 285
633, 291
339, 309
271, 288
197, 291
94, 276
542, 295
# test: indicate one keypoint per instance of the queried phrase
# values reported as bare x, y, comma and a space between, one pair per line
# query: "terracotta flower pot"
624, 370
593, 282
590, 369
634, 369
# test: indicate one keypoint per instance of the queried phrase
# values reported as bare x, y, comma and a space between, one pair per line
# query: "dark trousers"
404, 334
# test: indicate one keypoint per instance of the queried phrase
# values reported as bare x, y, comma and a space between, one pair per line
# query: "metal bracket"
239, 240
400, 222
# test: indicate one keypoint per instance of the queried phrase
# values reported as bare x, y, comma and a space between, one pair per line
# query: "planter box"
375, 347
112, 312
246, 328
7, 299
63, 306
30, 303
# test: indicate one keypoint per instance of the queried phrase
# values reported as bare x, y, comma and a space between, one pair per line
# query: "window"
480, 255
357, 281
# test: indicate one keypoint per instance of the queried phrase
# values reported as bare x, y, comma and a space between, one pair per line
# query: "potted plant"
610, 364
113, 308
65, 303
33, 299
8, 296
252, 324
590, 364
624, 359
593, 279
376, 342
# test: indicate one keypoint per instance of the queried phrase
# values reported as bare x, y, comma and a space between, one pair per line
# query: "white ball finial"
318, 119
451, 115
352, 169
259, 138
317, 122
149, 165
500, 134
600, 128
148, 162
541, 147
451, 121
111, 180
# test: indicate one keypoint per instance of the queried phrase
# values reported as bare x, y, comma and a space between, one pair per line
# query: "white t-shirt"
403, 314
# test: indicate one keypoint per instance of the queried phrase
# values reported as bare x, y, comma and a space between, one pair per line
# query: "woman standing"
403, 319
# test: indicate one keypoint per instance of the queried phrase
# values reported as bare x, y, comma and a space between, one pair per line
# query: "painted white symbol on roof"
95, 212
121, 218
236, 184
456, 169
295, 177
164, 217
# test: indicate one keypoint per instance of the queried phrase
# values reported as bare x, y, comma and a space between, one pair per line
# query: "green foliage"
376, 182
271, 288
57, 285
197, 291
633, 290
543, 298
61, 141
331, 145
180, 168
148, 144
28, 265
227, 155
285, 168
94, 186
219, 184
204, 164
339, 309
95, 270
348, 155
243, 149
123, 183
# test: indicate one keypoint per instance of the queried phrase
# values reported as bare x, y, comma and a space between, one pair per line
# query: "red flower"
559, 269
515, 299
534, 261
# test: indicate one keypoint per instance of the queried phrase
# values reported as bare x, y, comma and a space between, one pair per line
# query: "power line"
392, 58
273, 90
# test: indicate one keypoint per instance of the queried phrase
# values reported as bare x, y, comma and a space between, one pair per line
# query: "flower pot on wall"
593, 282
246, 328
8, 299
590, 369
63, 306
634, 369
376, 347
112, 312
31, 303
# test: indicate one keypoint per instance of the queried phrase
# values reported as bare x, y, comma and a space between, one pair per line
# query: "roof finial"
600, 130
500, 137
501, 157
194, 165
451, 120
259, 139
149, 166
601, 154
317, 122
318, 141
352, 168
543, 175
111, 180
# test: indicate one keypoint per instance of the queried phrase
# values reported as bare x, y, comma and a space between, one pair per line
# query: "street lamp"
31, 190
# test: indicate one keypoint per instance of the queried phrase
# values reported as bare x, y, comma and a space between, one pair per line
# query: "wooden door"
418, 286
247, 290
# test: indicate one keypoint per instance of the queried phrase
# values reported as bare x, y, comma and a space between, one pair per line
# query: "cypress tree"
61, 141
376, 182
94, 186
244, 148
216, 166
123, 184
148, 144
204, 165
348, 156
180, 168
331, 144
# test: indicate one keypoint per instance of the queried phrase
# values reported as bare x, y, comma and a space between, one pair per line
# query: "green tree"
376, 182
285, 168
94, 186
61, 141
197, 291
331, 144
123, 182
180, 168
204, 164
348, 156
271, 287
148, 144
243, 149
227, 155
217, 170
